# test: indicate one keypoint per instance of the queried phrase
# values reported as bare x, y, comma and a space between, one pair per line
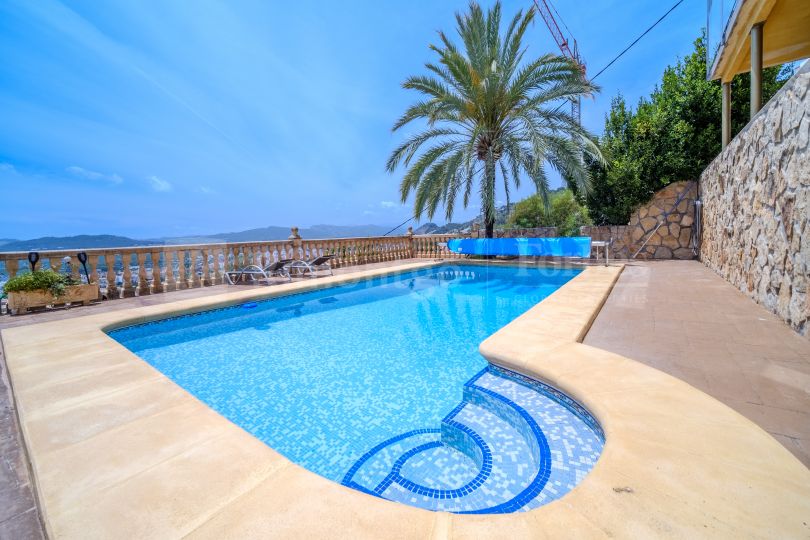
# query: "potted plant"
41, 288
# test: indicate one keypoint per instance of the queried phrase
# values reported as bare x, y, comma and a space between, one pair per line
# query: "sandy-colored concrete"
682, 318
19, 515
119, 456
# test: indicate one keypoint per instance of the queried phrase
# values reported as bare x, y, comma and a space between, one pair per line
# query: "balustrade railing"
136, 271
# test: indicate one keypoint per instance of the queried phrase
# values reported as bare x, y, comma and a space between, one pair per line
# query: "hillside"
501, 215
86, 241
82, 241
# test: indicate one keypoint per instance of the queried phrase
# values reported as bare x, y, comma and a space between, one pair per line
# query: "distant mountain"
86, 241
501, 215
82, 241
282, 233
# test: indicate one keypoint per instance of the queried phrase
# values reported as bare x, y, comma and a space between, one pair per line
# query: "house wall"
756, 203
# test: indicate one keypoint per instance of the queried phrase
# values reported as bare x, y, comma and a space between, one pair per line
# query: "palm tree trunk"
488, 198
489, 230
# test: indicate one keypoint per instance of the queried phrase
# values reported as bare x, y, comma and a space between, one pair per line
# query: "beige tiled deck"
682, 318
19, 515
120, 451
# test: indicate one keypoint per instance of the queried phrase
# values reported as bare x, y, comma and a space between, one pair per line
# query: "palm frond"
489, 114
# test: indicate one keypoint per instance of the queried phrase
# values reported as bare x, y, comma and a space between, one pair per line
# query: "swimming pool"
379, 385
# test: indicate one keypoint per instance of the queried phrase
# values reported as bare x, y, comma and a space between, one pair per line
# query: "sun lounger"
313, 265
257, 273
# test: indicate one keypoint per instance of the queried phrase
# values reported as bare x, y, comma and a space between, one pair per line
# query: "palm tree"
486, 113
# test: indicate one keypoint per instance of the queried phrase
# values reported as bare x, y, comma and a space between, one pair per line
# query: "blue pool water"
379, 385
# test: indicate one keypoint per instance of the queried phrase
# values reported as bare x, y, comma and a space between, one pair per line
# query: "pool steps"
488, 456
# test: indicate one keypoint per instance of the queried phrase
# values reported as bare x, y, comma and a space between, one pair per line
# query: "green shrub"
565, 212
671, 135
40, 280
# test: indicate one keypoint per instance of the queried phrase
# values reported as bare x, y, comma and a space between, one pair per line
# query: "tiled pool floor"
511, 445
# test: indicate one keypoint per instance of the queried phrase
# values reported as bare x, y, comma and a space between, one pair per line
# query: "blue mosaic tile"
539, 448
379, 384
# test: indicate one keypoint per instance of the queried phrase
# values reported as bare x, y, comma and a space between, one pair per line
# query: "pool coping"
117, 449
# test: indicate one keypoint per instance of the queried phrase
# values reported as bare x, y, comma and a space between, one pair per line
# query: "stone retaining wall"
660, 229
756, 203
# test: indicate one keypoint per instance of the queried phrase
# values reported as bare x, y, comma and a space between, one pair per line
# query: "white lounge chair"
313, 265
259, 274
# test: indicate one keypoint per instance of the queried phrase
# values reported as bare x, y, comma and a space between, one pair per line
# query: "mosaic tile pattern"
534, 448
324, 376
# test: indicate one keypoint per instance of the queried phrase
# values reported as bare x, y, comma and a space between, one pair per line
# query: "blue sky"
165, 118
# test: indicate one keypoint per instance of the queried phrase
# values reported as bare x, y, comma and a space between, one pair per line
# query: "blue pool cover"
574, 246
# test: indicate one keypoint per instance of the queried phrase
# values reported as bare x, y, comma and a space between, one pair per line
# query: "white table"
602, 244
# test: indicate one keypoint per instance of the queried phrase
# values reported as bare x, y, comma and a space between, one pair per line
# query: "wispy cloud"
7, 167
389, 204
159, 184
87, 174
205, 190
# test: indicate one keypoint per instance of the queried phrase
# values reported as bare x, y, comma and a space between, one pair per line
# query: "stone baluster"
259, 255
127, 290
92, 268
327, 250
216, 279
195, 274
92, 272
182, 270
12, 267
345, 254
168, 262
226, 255
206, 268
239, 256
157, 282
143, 280
112, 286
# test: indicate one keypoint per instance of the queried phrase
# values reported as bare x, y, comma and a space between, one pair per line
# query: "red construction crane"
562, 42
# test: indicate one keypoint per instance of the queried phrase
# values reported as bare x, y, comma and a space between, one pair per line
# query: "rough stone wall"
673, 207
756, 203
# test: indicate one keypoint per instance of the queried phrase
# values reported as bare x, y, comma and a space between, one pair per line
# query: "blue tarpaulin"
574, 246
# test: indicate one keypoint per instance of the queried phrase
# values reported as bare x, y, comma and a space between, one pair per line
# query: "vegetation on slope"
670, 136
563, 212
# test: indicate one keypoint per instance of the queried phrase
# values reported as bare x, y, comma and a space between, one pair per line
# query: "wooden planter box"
21, 301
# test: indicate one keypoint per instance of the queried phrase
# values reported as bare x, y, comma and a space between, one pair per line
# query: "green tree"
490, 117
671, 136
564, 212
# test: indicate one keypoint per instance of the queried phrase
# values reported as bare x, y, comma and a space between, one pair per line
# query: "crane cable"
647, 31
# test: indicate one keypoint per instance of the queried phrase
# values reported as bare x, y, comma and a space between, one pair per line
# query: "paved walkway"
682, 318
676, 316
19, 515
